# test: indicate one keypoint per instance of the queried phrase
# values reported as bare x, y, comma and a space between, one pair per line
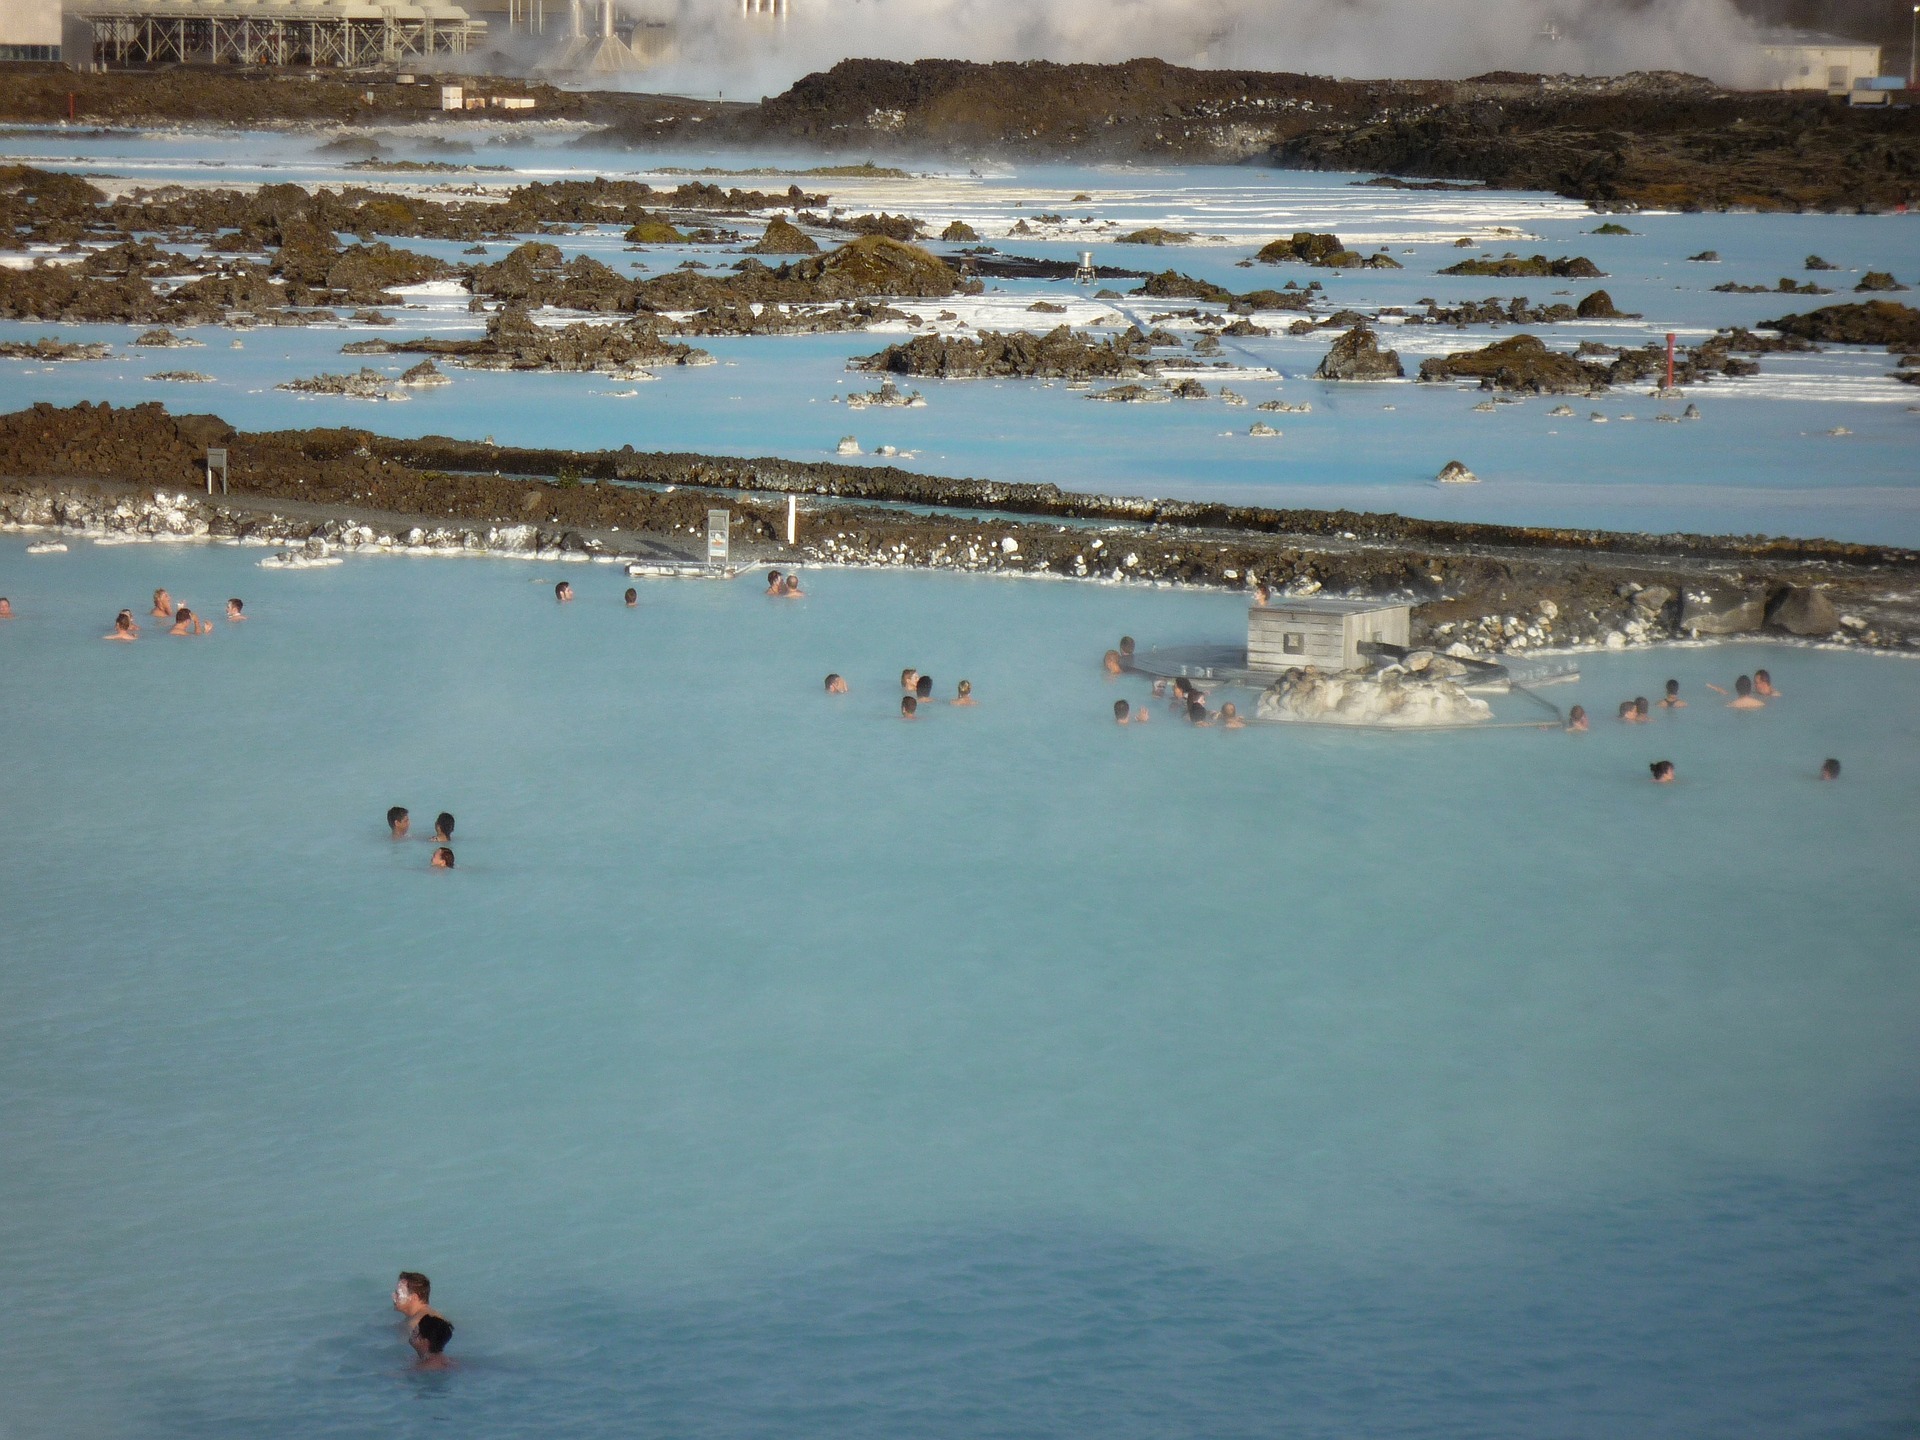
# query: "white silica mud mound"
1392, 697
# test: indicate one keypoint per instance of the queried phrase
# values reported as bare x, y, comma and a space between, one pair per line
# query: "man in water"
1197, 713
1121, 711
1126, 651
633, 597
836, 685
236, 612
1577, 718
1662, 772
775, 585
6, 608
909, 679
1110, 662
1230, 717
442, 859
1743, 696
123, 628
964, 696
410, 1298
1671, 700
162, 605
923, 688
793, 590
563, 592
185, 622
442, 828
398, 822
909, 707
1830, 770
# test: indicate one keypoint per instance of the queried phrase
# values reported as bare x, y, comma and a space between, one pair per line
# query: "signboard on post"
217, 460
719, 523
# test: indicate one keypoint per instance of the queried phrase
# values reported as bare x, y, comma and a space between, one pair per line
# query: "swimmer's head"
1196, 712
397, 821
1626, 709
1227, 711
6, 606
836, 685
1640, 705
773, 578
1182, 685
923, 687
1830, 770
908, 678
1743, 686
443, 859
412, 1286
431, 1334
123, 622
1662, 772
908, 706
966, 688
1126, 646
563, 591
1673, 688
443, 826
235, 606
182, 615
1761, 677
633, 596
1121, 710
1577, 715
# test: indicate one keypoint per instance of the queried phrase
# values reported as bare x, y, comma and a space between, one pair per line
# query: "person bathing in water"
633, 597
1743, 696
1230, 717
1671, 700
398, 822
923, 688
6, 608
965, 694
1122, 712
428, 1331
776, 583
563, 592
1830, 770
793, 590
162, 605
1577, 718
185, 622
909, 708
123, 628
1763, 685
909, 680
1662, 772
442, 828
442, 859
836, 685
236, 611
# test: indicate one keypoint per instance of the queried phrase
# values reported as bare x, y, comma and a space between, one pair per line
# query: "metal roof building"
324, 33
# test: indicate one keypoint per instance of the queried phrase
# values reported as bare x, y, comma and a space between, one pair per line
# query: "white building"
1327, 633
1817, 62
29, 29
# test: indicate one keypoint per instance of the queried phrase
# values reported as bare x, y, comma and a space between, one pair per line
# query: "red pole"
1669, 359
70, 105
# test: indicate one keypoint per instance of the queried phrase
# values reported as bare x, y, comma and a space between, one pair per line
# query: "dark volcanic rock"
1512, 267
1803, 610
783, 237
1172, 285
1598, 306
1520, 362
1057, 355
1878, 280
1871, 322
1357, 355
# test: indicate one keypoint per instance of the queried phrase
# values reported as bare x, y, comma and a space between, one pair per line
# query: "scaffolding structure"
329, 34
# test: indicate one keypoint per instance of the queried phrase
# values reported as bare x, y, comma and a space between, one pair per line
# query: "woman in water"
1662, 772
1671, 700
1763, 685
443, 859
123, 628
6, 608
185, 622
1577, 718
442, 828
965, 696
162, 605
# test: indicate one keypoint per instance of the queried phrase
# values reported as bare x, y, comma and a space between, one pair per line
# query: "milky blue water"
1761, 459
772, 1067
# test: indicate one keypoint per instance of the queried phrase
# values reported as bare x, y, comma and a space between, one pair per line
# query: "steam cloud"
720, 50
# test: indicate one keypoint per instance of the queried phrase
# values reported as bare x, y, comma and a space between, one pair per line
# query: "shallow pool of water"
772, 1067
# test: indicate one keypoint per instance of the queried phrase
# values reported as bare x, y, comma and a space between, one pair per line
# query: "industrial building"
344, 34
1818, 62
29, 29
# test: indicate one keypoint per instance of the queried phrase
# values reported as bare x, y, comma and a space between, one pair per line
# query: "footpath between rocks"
139, 471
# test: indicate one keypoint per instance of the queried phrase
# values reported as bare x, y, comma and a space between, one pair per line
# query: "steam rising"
720, 49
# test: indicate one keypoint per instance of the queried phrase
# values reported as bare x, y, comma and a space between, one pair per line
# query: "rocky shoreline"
97, 470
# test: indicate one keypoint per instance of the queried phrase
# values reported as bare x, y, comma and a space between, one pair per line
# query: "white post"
793, 518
